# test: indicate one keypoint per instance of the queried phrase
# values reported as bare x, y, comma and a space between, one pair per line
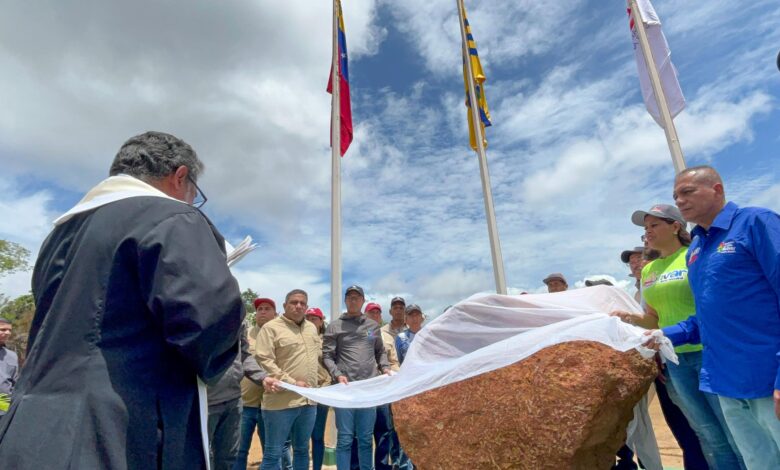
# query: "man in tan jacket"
252, 392
289, 349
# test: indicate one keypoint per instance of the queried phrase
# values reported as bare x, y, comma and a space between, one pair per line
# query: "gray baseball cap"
413, 308
626, 255
598, 282
663, 211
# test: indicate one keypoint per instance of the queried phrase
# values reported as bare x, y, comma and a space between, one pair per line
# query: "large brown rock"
565, 407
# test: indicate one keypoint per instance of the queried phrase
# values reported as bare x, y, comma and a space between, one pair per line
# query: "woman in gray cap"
669, 300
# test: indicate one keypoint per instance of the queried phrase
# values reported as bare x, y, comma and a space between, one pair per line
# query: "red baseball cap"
314, 311
372, 306
263, 300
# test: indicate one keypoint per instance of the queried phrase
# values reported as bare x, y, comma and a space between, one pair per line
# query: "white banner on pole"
662, 57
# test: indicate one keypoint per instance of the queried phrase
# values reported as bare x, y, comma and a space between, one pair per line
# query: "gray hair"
154, 155
295, 292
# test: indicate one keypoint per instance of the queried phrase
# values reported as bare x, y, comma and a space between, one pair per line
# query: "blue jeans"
318, 437
355, 423
703, 412
295, 423
685, 436
756, 430
251, 418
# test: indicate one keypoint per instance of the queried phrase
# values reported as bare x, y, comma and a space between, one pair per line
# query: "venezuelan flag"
344, 99
479, 80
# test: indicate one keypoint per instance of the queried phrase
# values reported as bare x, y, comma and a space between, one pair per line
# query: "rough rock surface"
565, 407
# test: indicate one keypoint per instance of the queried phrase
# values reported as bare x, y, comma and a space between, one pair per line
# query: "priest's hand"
343, 379
301, 383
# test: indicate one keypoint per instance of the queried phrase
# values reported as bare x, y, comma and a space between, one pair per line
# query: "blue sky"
572, 152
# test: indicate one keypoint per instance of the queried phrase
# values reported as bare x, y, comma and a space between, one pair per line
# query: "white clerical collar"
112, 189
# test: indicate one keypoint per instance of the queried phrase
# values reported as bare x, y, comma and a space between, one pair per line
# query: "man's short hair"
155, 155
5, 321
704, 173
294, 292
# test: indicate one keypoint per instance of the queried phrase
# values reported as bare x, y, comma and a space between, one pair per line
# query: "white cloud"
505, 30
572, 152
27, 222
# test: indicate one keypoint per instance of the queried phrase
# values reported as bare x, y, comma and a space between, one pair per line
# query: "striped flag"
479, 80
345, 103
663, 62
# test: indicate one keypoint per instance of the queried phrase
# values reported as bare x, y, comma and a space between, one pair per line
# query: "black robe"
133, 301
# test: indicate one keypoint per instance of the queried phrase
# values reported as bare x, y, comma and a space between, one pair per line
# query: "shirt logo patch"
676, 275
729, 246
650, 280
694, 255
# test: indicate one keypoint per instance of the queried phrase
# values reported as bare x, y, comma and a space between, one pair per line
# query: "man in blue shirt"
414, 321
734, 272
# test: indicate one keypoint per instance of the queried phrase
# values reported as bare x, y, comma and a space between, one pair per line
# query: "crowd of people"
298, 347
130, 362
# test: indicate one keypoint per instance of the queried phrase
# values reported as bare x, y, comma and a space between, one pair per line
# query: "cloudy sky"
572, 151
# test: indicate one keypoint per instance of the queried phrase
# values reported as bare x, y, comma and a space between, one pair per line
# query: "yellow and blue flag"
479, 80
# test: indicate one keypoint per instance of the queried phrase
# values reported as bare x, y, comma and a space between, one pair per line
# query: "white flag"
663, 63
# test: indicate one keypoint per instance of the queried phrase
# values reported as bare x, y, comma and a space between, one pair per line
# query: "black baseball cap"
357, 289
398, 300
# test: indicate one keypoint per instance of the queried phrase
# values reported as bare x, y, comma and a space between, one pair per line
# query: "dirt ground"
671, 455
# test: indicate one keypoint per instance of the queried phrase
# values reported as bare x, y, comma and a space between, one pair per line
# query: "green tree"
249, 296
20, 312
13, 257
17, 308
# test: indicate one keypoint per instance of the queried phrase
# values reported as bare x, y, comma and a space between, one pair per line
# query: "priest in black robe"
136, 311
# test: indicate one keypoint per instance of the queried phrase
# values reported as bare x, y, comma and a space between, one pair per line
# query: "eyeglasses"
200, 198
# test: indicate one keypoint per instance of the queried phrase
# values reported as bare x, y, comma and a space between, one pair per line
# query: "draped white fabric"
487, 332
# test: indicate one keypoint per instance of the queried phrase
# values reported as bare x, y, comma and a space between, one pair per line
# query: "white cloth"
487, 332
662, 57
641, 436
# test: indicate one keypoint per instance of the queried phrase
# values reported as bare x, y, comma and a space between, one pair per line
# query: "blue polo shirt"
734, 272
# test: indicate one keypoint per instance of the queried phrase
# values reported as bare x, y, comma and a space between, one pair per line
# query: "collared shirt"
734, 272
289, 352
352, 346
251, 391
392, 356
402, 343
388, 328
9, 370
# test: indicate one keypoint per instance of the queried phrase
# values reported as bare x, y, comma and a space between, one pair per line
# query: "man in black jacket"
135, 310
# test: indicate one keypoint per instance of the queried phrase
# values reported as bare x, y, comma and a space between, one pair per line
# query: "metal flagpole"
660, 98
335, 198
495, 245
